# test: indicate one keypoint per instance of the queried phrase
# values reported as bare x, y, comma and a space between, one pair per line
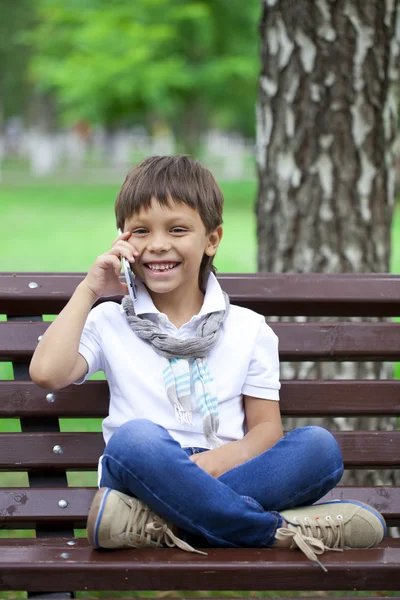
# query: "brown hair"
178, 178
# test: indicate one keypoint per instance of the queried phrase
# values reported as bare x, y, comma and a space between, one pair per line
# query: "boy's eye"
143, 230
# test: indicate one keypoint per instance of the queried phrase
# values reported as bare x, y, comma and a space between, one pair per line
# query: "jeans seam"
203, 531
277, 517
254, 502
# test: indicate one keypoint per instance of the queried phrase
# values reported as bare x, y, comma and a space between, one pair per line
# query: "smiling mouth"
161, 267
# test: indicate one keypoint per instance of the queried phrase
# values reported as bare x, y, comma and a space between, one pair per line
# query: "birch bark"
326, 130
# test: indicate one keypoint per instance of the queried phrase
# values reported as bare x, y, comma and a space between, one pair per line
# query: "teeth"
162, 267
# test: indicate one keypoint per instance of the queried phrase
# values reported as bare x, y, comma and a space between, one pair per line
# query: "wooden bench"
57, 561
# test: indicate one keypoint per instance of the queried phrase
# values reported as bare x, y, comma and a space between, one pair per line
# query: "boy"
195, 452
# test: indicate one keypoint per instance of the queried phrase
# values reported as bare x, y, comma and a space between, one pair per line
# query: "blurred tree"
193, 63
14, 57
325, 137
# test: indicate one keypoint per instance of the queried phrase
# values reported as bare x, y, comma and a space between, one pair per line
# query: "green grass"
64, 228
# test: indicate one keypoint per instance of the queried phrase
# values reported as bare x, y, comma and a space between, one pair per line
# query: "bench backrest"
48, 446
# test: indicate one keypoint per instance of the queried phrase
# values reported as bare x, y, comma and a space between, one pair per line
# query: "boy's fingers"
122, 236
107, 261
121, 244
127, 252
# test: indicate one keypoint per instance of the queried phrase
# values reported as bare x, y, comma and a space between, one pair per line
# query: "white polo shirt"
243, 361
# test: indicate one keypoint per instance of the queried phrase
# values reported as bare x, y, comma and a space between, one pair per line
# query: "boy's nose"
159, 245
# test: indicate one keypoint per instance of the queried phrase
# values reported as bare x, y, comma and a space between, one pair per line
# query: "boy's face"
171, 241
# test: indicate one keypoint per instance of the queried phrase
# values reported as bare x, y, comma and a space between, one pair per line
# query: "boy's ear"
213, 241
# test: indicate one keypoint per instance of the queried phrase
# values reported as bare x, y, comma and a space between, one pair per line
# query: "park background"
70, 134
87, 89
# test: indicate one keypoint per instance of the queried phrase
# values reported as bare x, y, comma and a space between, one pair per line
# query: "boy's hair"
178, 178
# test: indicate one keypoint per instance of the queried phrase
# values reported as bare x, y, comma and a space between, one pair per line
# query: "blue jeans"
241, 507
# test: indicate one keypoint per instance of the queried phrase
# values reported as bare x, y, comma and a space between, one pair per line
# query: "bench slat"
298, 398
297, 341
80, 451
308, 294
26, 507
39, 566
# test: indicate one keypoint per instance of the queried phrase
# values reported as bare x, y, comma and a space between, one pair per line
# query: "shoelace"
315, 536
145, 527
166, 536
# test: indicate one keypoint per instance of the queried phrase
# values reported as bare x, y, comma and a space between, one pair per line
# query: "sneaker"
119, 521
332, 526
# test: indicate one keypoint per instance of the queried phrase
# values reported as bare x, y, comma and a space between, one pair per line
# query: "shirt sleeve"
262, 379
90, 346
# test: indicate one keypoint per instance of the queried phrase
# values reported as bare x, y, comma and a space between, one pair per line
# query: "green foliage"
14, 56
118, 62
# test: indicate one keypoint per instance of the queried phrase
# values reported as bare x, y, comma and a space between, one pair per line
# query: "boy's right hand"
102, 279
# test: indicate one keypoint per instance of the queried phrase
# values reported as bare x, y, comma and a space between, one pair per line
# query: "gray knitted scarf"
179, 371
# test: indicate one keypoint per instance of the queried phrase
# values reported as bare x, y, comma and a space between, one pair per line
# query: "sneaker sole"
95, 514
366, 507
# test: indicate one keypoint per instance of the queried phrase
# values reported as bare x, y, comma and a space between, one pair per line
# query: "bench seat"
53, 565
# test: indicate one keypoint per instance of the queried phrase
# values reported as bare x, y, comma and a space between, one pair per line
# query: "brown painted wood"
298, 398
340, 398
19, 340
80, 451
39, 566
32, 451
27, 399
297, 341
24, 508
308, 294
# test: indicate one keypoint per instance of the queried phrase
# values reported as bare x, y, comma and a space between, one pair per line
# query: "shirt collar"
213, 299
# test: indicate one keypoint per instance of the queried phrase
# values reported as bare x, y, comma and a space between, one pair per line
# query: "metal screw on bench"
57, 450
50, 398
39, 338
63, 503
65, 555
33, 285
71, 543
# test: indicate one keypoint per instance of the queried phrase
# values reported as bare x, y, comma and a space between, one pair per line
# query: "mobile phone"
129, 275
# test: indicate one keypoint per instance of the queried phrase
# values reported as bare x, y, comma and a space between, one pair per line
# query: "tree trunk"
326, 127
190, 127
42, 112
